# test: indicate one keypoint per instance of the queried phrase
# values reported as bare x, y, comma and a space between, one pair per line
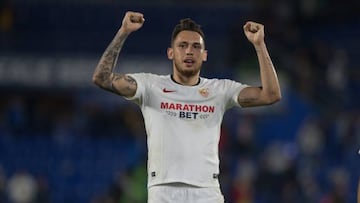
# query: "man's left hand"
254, 32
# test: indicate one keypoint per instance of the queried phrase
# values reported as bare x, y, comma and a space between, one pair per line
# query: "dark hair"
186, 24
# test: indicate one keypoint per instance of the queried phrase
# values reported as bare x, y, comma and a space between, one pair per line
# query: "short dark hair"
186, 24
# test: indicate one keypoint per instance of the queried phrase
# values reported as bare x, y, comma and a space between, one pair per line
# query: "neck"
185, 80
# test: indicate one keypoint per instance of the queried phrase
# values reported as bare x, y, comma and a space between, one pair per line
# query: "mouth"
189, 62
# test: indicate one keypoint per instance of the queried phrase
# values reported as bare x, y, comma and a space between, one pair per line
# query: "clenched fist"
254, 32
132, 21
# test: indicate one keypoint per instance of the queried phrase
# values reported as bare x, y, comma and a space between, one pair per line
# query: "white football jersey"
183, 126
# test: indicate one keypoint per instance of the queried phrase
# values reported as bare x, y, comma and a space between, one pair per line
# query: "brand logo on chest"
165, 90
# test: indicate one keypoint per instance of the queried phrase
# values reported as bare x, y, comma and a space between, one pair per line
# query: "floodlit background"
64, 140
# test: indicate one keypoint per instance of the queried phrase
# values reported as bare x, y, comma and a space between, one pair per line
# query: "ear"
204, 56
170, 53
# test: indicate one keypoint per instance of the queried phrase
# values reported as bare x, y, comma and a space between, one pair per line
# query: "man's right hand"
132, 21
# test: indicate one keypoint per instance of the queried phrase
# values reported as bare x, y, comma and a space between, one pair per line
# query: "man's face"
188, 53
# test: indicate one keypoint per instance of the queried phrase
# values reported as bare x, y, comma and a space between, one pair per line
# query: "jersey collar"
172, 78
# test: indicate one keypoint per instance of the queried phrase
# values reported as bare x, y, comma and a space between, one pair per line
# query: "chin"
187, 71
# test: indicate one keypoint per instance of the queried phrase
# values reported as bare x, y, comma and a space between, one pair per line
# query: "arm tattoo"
126, 89
103, 72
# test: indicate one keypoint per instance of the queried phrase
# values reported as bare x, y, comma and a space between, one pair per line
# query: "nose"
189, 50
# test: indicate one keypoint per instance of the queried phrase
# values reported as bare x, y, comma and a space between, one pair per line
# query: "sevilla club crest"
204, 92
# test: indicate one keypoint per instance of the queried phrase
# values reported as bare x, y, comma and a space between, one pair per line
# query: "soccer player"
183, 111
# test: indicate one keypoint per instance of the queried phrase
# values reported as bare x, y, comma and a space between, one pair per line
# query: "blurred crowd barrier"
66, 71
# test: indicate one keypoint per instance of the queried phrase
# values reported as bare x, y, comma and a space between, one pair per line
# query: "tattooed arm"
269, 92
104, 76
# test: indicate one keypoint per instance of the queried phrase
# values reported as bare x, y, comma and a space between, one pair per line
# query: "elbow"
96, 80
276, 98
100, 77
273, 98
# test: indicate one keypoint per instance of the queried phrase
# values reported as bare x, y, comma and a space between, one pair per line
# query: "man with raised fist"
183, 111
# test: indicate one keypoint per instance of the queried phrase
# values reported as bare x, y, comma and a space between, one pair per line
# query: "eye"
197, 46
182, 45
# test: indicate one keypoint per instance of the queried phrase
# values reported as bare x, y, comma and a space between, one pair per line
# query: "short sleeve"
141, 81
233, 90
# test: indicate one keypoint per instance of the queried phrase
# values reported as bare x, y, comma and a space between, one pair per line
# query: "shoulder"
147, 76
149, 79
218, 81
225, 86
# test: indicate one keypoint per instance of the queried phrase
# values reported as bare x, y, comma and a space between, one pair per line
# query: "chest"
189, 103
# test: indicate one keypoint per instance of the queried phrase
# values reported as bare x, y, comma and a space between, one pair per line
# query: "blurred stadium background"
63, 140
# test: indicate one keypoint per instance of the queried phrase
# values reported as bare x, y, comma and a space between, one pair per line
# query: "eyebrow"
193, 43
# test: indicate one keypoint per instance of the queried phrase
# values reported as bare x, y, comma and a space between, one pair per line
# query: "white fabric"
183, 127
180, 193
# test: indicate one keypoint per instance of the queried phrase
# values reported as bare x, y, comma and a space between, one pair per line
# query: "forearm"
269, 79
269, 93
103, 74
